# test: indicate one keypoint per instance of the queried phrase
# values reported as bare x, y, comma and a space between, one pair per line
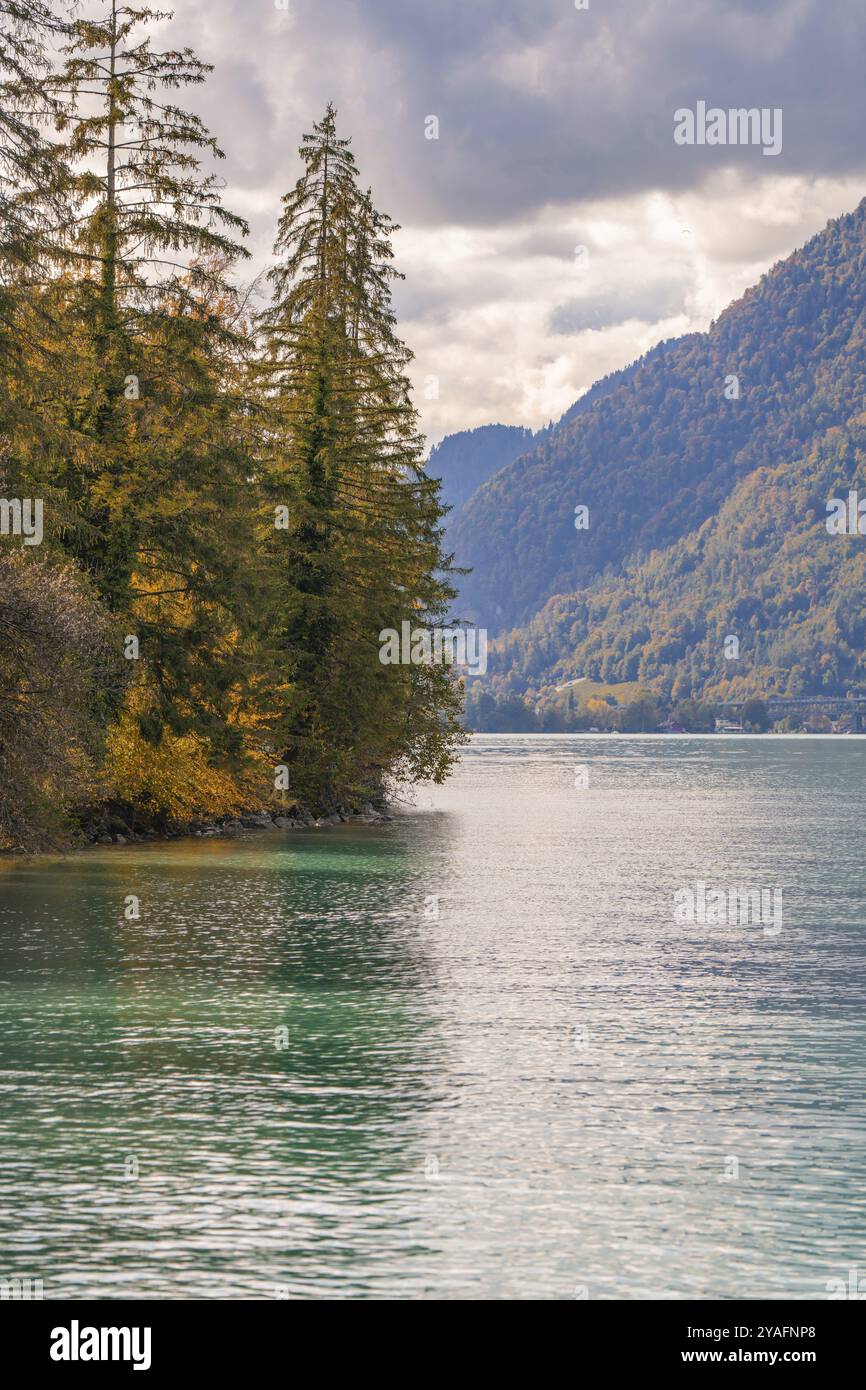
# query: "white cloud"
493, 299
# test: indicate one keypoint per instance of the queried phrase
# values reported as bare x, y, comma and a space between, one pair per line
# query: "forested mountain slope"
765, 571
463, 461
658, 451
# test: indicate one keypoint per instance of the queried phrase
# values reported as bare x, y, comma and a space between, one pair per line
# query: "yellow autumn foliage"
175, 778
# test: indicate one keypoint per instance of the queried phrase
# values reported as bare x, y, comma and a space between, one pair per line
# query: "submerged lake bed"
483, 1051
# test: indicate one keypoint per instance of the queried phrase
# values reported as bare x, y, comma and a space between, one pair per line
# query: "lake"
471, 1054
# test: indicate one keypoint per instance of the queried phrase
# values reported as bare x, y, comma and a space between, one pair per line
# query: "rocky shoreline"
114, 829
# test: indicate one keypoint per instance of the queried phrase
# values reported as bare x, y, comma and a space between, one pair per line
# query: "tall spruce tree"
157, 340
362, 550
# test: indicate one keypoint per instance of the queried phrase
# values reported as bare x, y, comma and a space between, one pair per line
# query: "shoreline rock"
111, 825
113, 830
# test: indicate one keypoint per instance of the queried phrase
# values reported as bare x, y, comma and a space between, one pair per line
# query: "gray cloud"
538, 102
556, 128
650, 303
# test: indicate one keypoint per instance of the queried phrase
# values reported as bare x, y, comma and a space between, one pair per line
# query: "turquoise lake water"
469, 1054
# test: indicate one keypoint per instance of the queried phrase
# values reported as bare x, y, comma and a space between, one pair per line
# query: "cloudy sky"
554, 230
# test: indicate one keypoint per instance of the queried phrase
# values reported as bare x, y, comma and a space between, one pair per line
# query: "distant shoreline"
616, 735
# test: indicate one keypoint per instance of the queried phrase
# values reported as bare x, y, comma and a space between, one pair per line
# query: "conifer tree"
34, 187
143, 210
363, 548
157, 340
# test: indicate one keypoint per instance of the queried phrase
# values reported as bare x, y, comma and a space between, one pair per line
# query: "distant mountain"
656, 451
466, 460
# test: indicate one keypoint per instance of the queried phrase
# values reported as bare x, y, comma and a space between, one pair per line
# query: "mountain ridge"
664, 433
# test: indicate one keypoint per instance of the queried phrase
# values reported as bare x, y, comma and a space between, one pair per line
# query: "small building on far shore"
728, 726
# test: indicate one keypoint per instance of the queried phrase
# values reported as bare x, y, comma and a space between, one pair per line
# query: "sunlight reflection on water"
509, 1071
